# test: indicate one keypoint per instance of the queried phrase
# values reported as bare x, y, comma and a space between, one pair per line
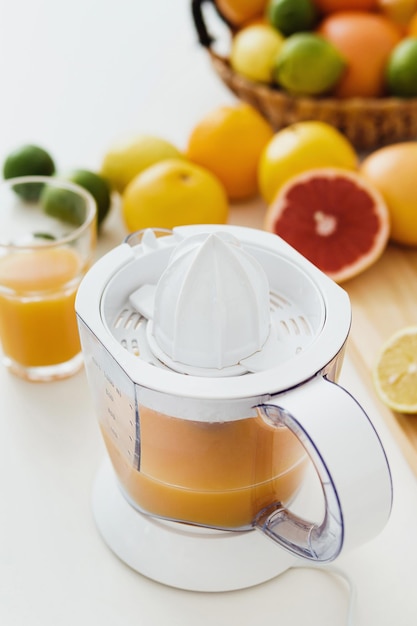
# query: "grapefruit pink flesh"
333, 218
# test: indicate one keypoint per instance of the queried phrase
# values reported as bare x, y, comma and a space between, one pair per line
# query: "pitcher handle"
351, 465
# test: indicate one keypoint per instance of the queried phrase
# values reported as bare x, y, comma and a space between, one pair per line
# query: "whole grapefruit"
299, 147
392, 170
365, 41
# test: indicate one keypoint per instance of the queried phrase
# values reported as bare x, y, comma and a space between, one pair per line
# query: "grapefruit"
299, 147
392, 170
172, 193
334, 218
365, 41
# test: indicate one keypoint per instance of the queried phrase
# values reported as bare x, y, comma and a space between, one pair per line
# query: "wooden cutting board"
384, 300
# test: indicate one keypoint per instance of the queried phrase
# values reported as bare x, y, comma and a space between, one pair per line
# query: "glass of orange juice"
47, 242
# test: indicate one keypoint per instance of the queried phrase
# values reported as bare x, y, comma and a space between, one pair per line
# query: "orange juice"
37, 319
215, 474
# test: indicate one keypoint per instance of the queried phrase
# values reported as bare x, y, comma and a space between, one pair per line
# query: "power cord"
331, 569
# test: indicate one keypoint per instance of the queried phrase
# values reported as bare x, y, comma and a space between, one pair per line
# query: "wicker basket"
367, 122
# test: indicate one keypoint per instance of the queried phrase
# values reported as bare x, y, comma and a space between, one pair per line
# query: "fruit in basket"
395, 371
399, 11
392, 170
291, 16
401, 69
331, 6
172, 193
334, 218
299, 147
365, 40
239, 12
411, 29
307, 64
125, 159
228, 141
254, 50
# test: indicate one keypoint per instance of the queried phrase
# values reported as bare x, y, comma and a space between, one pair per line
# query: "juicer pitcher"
213, 354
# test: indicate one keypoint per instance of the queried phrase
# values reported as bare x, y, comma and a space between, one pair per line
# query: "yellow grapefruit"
299, 147
174, 193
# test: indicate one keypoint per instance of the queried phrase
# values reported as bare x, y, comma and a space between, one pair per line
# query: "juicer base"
178, 555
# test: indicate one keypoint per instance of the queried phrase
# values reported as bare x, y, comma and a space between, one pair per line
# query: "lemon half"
395, 372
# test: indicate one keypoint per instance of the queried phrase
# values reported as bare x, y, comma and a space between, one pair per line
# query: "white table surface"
75, 76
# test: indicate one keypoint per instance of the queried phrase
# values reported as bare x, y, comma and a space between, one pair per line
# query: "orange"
334, 218
412, 26
392, 170
229, 141
399, 11
240, 11
330, 6
366, 41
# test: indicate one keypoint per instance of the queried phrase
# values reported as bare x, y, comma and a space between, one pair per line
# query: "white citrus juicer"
212, 354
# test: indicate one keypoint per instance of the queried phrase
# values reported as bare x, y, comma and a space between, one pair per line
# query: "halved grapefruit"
334, 218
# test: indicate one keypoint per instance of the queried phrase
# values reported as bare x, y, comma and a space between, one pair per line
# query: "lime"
28, 160
126, 159
97, 186
254, 50
395, 372
64, 204
307, 64
291, 16
401, 69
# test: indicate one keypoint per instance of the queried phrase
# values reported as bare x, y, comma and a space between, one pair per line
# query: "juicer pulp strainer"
212, 353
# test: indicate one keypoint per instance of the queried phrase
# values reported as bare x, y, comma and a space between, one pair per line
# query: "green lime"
64, 204
291, 16
97, 186
401, 69
28, 160
307, 64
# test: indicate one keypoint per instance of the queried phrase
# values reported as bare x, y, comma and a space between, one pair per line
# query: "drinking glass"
47, 242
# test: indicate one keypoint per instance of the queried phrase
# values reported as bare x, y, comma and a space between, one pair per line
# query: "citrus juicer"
212, 354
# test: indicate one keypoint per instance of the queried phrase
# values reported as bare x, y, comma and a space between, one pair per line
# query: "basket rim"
222, 64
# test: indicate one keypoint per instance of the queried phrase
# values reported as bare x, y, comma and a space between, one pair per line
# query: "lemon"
291, 16
172, 193
307, 64
401, 69
395, 372
98, 188
254, 50
125, 159
299, 147
28, 160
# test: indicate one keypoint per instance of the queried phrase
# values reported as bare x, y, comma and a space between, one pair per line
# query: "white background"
75, 76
